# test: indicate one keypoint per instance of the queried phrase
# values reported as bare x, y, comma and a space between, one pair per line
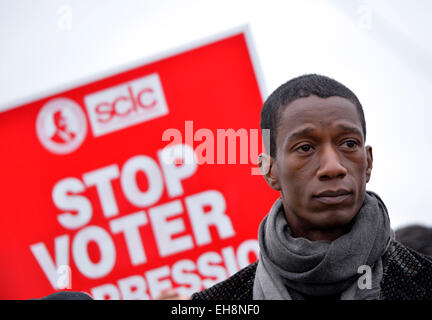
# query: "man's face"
322, 164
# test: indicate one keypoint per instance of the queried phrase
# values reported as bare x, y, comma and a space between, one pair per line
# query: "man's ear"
268, 169
369, 159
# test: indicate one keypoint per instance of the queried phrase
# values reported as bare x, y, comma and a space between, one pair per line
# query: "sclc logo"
124, 105
61, 125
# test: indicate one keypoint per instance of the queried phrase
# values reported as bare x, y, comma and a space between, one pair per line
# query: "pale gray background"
381, 49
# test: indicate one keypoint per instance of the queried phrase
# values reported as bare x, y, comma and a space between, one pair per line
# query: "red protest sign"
137, 181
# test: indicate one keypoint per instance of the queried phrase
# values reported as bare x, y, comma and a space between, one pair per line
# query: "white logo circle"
61, 126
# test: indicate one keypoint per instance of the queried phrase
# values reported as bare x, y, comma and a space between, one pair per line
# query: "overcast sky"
380, 49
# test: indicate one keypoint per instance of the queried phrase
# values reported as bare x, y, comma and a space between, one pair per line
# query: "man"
62, 133
326, 237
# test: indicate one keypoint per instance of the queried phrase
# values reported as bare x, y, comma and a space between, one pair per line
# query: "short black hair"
302, 87
416, 237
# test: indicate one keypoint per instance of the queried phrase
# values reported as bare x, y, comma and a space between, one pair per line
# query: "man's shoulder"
237, 287
407, 274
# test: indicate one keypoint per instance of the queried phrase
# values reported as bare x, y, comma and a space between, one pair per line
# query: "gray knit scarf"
290, 268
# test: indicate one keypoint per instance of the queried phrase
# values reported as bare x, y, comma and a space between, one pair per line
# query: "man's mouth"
333, 197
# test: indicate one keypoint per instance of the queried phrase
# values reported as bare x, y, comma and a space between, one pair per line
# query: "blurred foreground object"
171, 294
67, 295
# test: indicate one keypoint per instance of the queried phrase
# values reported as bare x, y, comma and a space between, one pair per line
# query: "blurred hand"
172, 294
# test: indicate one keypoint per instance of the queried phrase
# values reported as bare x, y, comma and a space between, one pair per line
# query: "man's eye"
351, 144
305, 148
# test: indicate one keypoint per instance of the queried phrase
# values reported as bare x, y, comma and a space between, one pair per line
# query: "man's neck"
300, 229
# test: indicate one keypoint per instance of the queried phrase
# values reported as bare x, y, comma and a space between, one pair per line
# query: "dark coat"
407, 275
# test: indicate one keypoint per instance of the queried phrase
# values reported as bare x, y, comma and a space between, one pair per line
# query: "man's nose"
330, 166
